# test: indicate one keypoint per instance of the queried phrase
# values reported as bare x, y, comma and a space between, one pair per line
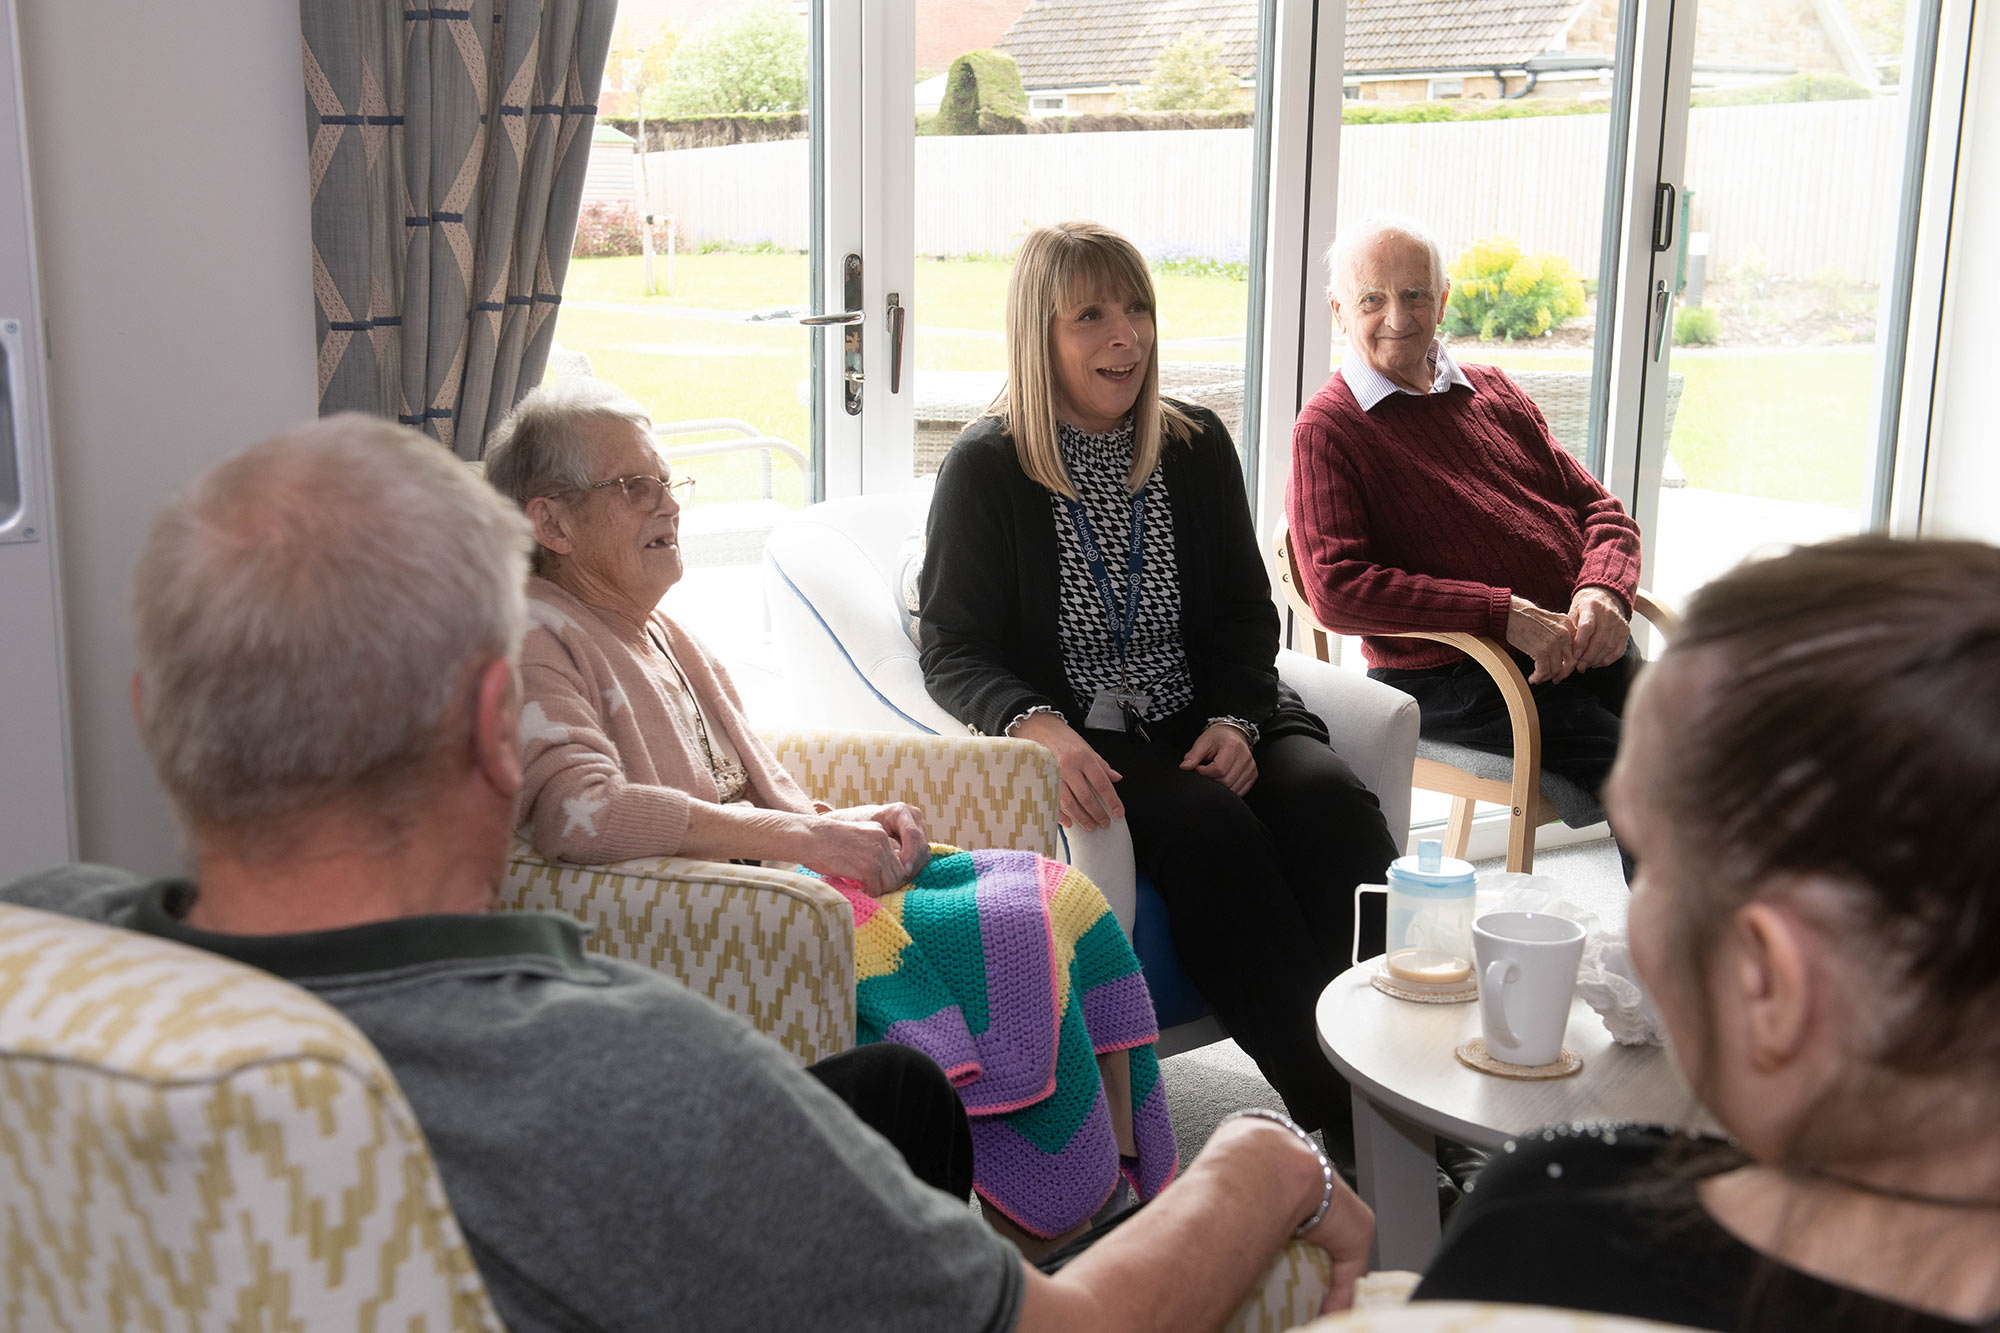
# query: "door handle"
896, 313
852, 320
19, 520
1661, 298
1663, 216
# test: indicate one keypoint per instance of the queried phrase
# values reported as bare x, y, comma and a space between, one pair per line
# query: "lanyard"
1086, 536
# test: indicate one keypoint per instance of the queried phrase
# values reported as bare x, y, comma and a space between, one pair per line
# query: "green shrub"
1498, 292
980, 82
1796, 88
1405, 113
1695, 327
613, 229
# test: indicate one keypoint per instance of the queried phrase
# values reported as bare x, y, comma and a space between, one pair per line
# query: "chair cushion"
196, 1144
1577, 807
1175, 998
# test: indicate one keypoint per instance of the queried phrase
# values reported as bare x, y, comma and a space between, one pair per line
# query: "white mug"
1526, 963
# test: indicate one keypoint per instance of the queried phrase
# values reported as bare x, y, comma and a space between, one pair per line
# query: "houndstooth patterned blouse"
1157, 662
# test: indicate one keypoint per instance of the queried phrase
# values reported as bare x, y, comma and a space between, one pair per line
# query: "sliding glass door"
1123, 115
1780, 368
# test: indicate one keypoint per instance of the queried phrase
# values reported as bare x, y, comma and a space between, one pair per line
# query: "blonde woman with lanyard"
1158, 692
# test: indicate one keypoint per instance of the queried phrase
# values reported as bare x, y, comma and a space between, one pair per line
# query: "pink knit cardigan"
608, 770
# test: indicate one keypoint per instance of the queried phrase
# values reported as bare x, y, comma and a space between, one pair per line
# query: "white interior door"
37, 823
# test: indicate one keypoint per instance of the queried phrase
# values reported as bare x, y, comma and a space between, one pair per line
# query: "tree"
1190, 76
754, 61
636, 71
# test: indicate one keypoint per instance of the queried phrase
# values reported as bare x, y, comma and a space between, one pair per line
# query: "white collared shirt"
1369, 386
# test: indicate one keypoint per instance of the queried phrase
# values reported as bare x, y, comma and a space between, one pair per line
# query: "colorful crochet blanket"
1011, 972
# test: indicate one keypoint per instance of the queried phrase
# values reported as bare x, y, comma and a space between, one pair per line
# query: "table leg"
1397, 1162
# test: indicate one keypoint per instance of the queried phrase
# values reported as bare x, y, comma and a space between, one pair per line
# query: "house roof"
1449, 34
947, 29
1091, 43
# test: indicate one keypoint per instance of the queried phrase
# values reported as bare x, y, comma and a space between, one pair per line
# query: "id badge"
1107, 710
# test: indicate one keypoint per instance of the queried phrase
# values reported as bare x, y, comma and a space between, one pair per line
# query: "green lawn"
1784, 424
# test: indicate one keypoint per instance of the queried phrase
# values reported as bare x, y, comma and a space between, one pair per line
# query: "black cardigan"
990, 587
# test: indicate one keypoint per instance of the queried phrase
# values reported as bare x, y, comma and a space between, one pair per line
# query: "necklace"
1892, 1192
730, 777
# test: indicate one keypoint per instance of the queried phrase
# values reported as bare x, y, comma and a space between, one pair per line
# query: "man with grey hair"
1429, 495
327, 630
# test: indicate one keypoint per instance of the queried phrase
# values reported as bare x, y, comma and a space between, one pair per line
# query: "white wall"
167, 146
1962, 489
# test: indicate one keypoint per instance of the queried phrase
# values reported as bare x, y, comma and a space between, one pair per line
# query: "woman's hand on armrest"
845, 844
1088, 797
905, 824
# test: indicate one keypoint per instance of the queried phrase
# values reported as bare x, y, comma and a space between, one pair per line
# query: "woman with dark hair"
1092, 582
1808, 780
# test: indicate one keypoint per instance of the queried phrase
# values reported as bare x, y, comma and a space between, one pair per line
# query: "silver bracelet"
1250, 731
1019, 718
1325, 1163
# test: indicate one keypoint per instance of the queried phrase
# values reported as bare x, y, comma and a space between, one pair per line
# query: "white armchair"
834, 578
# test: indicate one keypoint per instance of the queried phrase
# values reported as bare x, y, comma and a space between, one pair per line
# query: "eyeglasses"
642, 490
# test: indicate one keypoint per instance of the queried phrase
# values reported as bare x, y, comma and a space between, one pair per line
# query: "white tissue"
1510, 891
1608, 984
1604, 978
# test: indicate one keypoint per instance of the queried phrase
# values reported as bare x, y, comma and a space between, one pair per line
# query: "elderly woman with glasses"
1092, 582
634, 743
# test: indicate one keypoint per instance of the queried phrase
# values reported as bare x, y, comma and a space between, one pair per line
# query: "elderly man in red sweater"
1429, 495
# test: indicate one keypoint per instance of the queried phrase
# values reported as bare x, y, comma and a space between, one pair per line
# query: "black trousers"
901, 1094
1259, 890
1580, 713
1580, 717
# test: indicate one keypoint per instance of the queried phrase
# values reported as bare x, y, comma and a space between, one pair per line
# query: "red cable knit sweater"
1430, 512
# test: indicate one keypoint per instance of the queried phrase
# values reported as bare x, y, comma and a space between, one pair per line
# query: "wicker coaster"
1473, 1055
1468, 990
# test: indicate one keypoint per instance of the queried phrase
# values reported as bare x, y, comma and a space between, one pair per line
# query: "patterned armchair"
186, 1142
778, 947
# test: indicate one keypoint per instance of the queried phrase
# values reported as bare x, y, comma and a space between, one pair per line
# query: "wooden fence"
1799, 187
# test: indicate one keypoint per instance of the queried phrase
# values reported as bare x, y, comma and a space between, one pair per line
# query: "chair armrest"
1289, 1293
1372, 726
1105, 857
1663, 617
775, 947
1525, 719
975, 791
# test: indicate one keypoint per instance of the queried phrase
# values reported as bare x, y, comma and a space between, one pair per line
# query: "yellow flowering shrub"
1499, 292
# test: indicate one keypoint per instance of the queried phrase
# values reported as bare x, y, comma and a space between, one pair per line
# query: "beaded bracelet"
1325, 1163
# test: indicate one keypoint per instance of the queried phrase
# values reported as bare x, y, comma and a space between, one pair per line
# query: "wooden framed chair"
1531, 796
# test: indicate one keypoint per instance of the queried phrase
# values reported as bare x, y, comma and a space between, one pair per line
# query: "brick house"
1079, 56
947, 29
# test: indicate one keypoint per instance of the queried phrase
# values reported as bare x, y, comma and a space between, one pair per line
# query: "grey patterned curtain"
447, 149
